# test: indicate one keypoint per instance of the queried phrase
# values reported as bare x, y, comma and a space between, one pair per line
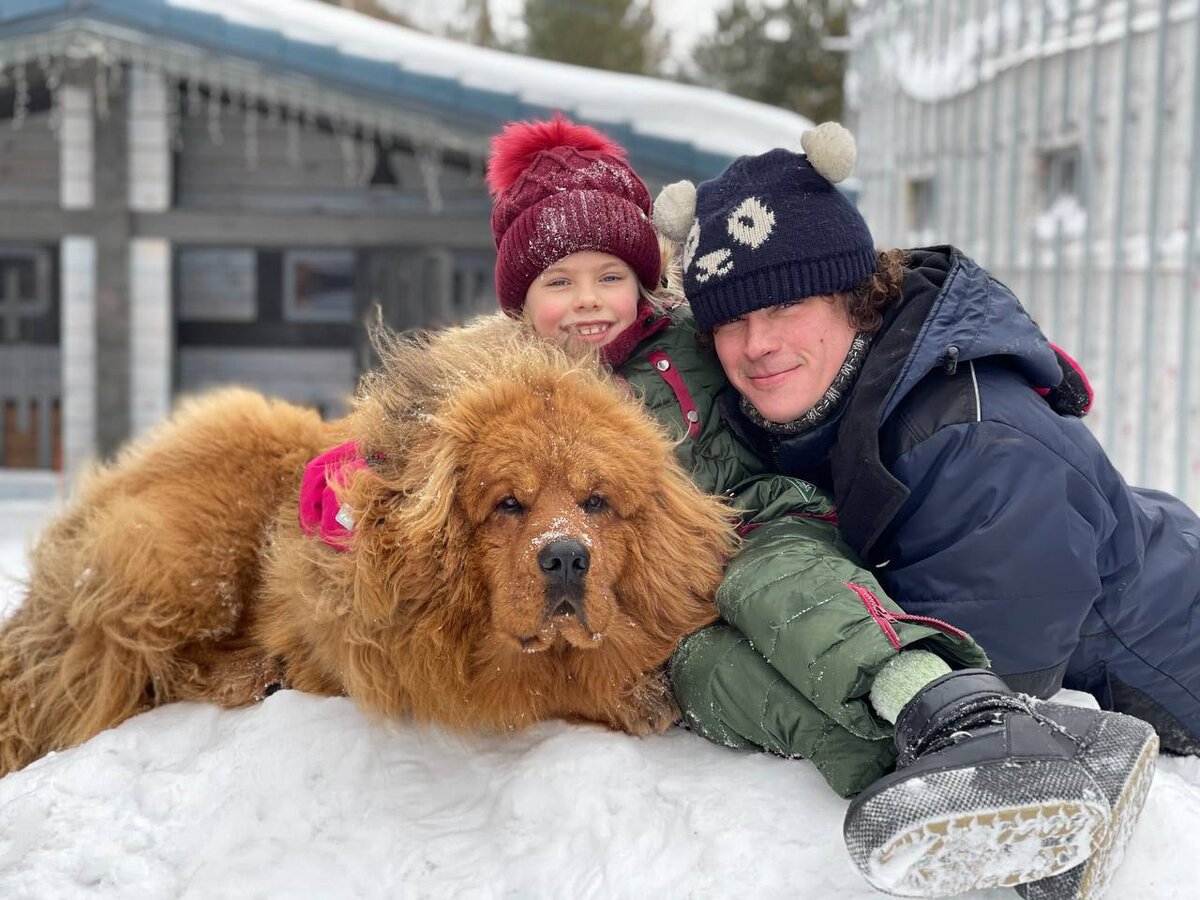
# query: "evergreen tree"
478, 28
372, 8
619, 35
775, 54
482, 33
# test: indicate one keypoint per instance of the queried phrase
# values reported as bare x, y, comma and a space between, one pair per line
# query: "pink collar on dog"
321, 513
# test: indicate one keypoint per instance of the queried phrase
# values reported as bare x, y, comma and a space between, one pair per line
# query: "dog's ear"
408, 532
411, 592
691, 536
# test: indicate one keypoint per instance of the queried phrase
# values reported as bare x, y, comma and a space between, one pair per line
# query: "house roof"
676, 128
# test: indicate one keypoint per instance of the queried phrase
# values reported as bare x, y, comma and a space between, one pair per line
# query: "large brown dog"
524, 547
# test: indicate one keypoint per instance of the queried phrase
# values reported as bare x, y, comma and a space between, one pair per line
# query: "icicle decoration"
20, 96
349, 152
274, 116
250, 130
429, 164
174, 115
194, 97
54, 75
214, 116
369, 157
102, 85
293, 140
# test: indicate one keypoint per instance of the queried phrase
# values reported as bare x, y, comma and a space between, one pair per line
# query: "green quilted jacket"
805, 628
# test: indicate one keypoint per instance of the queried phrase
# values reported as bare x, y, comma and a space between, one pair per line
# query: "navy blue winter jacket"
977, 503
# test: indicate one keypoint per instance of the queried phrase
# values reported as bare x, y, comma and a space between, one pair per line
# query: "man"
915, 388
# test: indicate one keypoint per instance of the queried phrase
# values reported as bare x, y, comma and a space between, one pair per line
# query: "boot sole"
1091, 880
951, 853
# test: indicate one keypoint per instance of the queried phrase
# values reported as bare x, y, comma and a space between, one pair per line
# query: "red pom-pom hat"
559, 188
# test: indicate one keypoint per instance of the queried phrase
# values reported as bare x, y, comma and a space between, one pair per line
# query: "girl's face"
584, 298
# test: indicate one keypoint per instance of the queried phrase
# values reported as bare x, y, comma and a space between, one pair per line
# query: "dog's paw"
649, 707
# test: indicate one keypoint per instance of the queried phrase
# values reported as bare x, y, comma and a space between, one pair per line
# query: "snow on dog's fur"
181, 572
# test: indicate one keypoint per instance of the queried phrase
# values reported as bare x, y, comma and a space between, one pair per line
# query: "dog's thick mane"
421, 371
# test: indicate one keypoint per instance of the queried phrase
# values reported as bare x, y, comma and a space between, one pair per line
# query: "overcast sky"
684, 21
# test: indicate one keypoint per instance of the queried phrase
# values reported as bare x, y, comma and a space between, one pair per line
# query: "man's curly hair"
867, 302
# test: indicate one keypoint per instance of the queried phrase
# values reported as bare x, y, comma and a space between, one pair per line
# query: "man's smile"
770, 379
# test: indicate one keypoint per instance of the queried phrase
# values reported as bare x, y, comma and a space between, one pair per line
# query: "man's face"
784, 358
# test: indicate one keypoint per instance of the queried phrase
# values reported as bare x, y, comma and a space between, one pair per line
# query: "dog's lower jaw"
557, 631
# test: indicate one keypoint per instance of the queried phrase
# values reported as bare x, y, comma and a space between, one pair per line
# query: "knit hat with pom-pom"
769, 229
559, 188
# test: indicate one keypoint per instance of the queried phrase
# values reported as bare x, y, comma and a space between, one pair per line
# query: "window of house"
319, 285
24, 288
1062, 174
217, 284
922, 200
473, 284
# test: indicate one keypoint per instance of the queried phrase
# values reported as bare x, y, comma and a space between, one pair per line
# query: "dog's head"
523, 506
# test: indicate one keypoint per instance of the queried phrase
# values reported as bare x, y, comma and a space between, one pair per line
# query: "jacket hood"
971, 316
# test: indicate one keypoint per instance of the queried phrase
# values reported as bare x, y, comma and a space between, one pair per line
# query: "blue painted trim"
484, 109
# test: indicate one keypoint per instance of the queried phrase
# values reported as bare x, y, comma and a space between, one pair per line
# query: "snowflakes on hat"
563, 229
518, 145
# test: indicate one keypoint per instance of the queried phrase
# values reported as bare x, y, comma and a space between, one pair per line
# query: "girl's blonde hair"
668, 293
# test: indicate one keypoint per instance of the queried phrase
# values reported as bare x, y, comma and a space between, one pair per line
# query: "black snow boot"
987, 792
1121, 754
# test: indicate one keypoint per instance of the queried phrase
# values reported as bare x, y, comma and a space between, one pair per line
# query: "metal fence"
1055, 142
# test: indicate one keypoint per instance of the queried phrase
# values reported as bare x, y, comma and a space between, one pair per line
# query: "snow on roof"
707, 119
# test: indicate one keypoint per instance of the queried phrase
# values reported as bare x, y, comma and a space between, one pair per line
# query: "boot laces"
988, 712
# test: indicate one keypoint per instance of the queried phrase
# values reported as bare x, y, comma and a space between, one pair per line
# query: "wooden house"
198, 192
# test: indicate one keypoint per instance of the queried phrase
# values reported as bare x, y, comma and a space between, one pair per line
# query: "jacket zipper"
886, 619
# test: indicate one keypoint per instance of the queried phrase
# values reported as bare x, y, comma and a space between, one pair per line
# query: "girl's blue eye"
612, 276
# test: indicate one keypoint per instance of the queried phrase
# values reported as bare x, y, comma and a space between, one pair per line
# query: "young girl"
810, 660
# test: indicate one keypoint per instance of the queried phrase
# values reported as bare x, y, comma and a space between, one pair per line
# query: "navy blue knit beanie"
769, 229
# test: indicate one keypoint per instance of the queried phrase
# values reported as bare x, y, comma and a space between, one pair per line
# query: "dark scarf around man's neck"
829, 402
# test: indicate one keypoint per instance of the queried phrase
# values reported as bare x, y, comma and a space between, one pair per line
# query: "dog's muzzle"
565, 566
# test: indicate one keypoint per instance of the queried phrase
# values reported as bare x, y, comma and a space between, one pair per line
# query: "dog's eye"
510, 504
594, 504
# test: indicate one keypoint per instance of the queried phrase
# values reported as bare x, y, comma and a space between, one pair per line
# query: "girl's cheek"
547, 326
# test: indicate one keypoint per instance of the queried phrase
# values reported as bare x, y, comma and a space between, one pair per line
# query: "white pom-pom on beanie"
675, 210
831, 151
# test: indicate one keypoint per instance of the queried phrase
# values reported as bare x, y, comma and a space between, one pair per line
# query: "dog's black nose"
565, 561
565, 565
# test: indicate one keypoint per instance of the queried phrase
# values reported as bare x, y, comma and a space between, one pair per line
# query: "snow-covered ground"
303, 797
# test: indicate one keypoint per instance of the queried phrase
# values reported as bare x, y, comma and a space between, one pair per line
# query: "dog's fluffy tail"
75, 658
60, 686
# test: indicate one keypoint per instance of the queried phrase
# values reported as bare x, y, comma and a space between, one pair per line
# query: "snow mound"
304, 796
